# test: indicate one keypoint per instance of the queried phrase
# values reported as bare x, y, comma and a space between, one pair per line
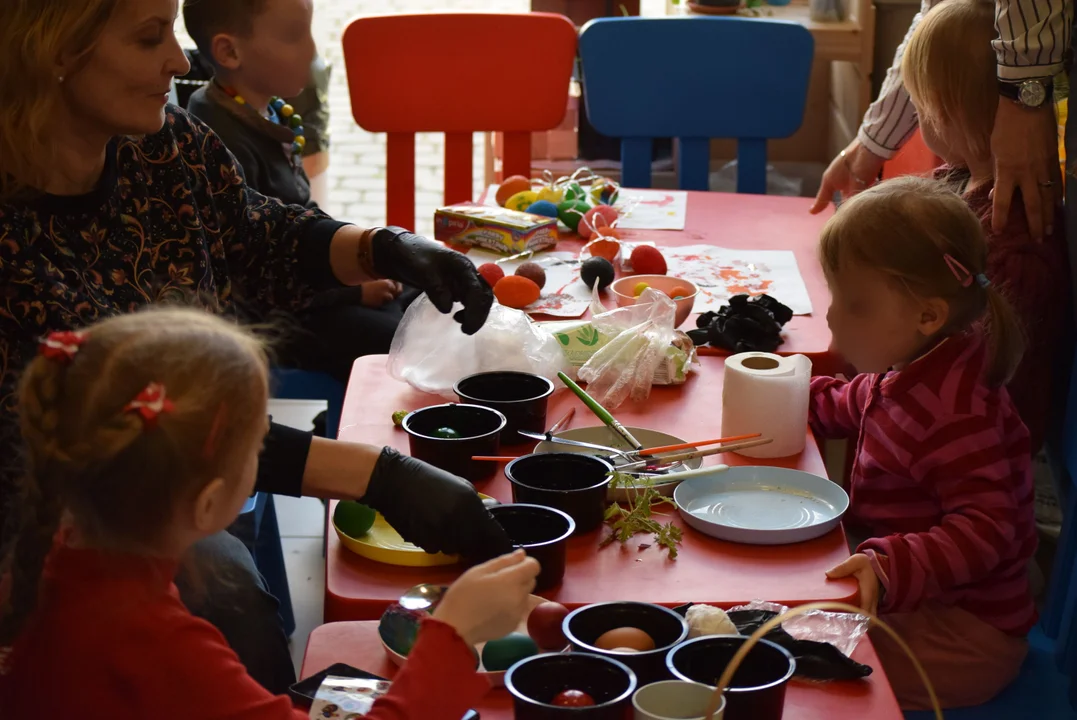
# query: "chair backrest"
695, 78
914, 158
457, 74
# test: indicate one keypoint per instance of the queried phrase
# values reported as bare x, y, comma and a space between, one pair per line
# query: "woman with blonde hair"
111, 200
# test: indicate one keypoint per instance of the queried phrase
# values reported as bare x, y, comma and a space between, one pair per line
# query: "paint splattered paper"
723, 272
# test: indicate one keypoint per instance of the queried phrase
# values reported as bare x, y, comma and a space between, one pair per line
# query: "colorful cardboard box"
498, 229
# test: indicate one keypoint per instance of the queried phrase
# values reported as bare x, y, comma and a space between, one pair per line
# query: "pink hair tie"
962, 273
61, 346
150, 404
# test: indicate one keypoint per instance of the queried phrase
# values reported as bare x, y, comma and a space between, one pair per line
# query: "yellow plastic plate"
383, 544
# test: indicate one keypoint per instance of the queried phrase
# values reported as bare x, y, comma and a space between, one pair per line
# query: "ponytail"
1006, 339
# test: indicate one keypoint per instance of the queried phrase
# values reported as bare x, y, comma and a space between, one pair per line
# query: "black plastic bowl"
479, 429
585, 625
757, 691
521, 397
543, 533
535, 681
571, 482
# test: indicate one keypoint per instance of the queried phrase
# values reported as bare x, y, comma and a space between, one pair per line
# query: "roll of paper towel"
767, 394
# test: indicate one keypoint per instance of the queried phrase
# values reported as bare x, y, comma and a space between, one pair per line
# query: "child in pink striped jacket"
941, 484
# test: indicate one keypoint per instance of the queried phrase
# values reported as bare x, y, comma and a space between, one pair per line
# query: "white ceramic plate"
602, 435
497, 679
761, 505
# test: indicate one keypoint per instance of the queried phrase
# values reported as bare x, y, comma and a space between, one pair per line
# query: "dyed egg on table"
544, 625
533, 272
516, 291
511, 186
571, 212
522, 200
500, 655
543, 207
596, 269
551, 194
625, 638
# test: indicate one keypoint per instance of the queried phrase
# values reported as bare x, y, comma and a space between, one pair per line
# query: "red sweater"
941, 483
111, 639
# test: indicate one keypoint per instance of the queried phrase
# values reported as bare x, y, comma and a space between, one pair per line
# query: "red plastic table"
706, 570
760, 222
357, 644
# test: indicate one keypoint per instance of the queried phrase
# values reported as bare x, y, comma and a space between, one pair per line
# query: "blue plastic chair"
1045, 687
693, 79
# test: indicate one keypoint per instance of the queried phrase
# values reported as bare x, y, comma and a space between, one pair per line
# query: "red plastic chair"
457, 74
914, 158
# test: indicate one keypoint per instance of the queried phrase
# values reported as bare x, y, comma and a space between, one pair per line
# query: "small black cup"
535, 681
574, 483
521, 397
585, 625
479, 429
543, 533
757, 691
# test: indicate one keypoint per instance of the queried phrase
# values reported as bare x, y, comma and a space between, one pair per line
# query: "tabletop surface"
706, 570
759, 222
357, 644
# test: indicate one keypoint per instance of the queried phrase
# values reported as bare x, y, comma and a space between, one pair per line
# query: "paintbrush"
693, 455
563, 422
693, 445
600, 412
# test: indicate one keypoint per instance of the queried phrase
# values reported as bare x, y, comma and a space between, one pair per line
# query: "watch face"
1032, 94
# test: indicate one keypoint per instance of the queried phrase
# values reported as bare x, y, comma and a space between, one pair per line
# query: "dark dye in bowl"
543, 533
521, 397
571, 482
478, 432
536, 681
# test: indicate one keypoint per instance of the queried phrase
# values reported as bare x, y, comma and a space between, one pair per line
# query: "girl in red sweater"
143, 435
941, 485
949, 69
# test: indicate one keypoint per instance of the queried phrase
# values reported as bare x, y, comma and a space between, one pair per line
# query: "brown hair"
949, 70
204, 19
33, 34
904, 228
117, 478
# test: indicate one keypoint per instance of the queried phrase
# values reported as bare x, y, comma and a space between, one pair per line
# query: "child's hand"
490, 600
859, 566
378, 292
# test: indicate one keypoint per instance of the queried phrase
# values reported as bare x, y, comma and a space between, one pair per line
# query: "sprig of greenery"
639, 517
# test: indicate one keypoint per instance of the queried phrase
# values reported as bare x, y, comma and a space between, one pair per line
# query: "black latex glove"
433, 509
444, 275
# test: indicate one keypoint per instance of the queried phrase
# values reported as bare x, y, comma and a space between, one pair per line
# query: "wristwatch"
1032, 93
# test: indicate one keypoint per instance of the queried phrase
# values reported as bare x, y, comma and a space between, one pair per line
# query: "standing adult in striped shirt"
940, 491
1032, 47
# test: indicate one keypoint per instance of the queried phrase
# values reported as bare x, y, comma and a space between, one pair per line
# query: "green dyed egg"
399, 627
499, 655
446, 433
571, 212
574, 192
354, 519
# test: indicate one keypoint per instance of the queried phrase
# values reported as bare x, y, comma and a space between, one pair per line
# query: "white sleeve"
1033, 37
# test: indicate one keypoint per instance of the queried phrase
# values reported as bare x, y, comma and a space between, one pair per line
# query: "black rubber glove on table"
433, 509
445, 275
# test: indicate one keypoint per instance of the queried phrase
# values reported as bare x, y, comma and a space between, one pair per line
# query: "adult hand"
858, 566
1025, 145
489, 600
379, 292
433, 509
857, 170
444, 275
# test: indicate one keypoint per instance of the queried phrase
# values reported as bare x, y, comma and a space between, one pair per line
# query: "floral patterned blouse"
170, 219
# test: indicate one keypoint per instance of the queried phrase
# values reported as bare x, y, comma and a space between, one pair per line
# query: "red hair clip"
61, 346
150, 403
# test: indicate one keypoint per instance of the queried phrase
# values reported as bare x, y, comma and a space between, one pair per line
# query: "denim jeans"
221, 585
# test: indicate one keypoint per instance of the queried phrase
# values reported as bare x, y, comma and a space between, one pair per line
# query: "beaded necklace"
283, 114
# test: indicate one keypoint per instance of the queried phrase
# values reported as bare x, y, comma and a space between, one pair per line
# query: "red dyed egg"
646, 260
598, 218
573, 698
491, 273
544, 625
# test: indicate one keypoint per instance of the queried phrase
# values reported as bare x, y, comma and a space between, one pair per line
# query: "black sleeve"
284, 460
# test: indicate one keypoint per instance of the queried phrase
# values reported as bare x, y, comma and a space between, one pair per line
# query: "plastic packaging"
842, 630
430, 353
641, 336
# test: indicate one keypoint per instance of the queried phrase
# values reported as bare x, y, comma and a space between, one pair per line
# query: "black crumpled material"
746, 324
815, 660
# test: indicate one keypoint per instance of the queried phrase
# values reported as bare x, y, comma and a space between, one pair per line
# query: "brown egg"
625, 637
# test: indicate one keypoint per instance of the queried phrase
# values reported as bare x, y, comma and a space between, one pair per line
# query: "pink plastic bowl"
622, 290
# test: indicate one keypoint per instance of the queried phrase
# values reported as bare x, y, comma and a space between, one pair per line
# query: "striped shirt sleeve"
966, 464
836, 406
1033, 38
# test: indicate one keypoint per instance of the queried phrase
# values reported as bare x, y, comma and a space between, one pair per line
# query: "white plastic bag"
430, 353
641, 334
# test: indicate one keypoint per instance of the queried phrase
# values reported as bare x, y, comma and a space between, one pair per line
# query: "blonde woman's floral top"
170, 219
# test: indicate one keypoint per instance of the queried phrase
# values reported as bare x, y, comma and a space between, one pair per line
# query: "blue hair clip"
982, 280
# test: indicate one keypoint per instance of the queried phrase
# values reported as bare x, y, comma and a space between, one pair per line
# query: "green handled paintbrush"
600, 412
